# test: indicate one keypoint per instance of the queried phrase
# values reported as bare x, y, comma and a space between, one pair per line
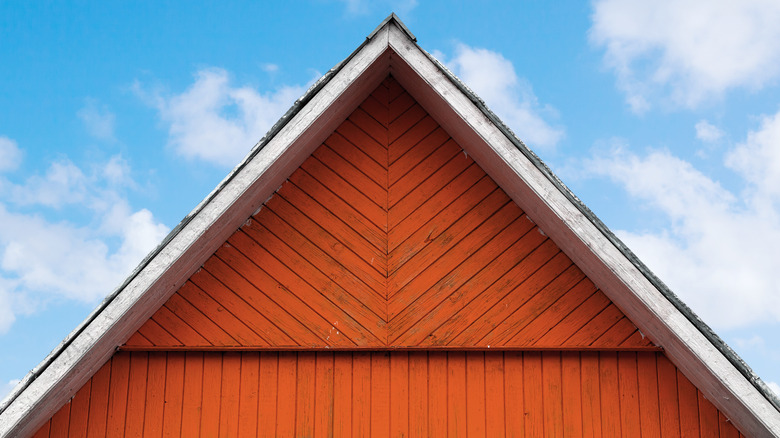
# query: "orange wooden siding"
389, 235
389, 394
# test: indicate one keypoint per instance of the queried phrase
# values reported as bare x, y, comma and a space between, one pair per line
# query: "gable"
389, 235
713, 368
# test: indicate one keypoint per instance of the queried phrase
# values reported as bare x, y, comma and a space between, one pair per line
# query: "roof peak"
392, 18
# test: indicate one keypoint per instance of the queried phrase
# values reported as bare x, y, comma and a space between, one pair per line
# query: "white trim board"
391, 49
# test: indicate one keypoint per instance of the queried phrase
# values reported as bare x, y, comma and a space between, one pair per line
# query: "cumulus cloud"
98, 120
10, 154
217, 122
687, 51
707, 132
718, 244
42, 259
494, 79
758, 158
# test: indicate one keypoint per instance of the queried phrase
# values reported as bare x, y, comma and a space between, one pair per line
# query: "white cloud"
707, 132
774, 387
717, 246
690, 50
41, 260
217, 122
6, 388
10, 154
758, 158
98, 120
494, 79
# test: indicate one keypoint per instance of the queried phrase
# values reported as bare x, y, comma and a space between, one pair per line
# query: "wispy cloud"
707, 132
718, 244
10, 154
690, 51
43, 259
511, 97
215, 121
98, 120
362, 7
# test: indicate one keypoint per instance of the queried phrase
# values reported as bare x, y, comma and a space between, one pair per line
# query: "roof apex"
392, 18
710, 364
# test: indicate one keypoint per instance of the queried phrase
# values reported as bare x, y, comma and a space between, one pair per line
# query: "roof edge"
33, 374
392, 18
689, 314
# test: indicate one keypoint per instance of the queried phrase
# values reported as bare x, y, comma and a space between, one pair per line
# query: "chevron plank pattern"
389, 236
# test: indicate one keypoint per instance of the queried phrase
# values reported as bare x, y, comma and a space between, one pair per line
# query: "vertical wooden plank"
247, 403
174, 391
117, 397
361, 394
192, 398
553, 394
136, 394
647, 374
155, 394
399, 394
533, 394
60, 422
689, 407
268, 393
456, 394
726, 428
667, 397
571, 388
79, 411
418, 394
475, 393
610, 394
629, 394
98, 401
323, 396
514, 393
286, 394
212, 388
494, 394
708, 418
342, 394
230, 394
437, 394
380, 393
305, 390
43, 432
591, 394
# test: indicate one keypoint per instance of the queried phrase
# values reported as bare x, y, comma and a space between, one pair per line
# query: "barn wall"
389, 394
389, 235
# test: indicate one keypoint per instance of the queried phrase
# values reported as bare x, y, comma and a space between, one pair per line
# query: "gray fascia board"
716, 340
281, 123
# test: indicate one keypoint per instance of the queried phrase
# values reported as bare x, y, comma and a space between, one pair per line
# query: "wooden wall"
389, 394
392, 246
389, 235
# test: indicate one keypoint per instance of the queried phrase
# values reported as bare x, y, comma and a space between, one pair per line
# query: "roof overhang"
391, 49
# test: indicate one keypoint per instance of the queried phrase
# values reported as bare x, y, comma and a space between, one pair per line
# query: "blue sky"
116, 119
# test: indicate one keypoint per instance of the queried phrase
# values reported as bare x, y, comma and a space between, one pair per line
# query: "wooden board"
382, 394
389, 236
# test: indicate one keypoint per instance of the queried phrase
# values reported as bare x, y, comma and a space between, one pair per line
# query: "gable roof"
392, 49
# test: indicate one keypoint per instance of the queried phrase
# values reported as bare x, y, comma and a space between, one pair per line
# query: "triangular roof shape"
391, 50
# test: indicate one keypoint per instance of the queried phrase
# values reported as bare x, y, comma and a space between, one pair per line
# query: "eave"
391, 49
